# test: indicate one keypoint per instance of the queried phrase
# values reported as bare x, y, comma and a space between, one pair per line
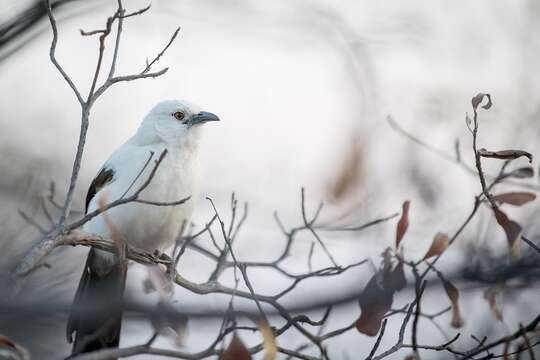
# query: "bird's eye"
179, 115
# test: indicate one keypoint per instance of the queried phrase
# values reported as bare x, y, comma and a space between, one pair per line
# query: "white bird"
172, 125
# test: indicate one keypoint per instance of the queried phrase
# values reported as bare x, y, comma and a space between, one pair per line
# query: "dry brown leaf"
511, 228
378, 294
505, 154
403, 223
477, 100
395, 280
515, 198
375, 302
370, 319
236, 350
491, 296
453, 295
438, 245
269, 341
392, 280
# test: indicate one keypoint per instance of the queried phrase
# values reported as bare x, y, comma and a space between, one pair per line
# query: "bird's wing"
97, 289
104, 177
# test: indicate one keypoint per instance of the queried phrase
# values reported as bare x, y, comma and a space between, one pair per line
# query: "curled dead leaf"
511, 228
515, 198
477, 100
403, 223
236, 350
438, 245
505, 154
453, 295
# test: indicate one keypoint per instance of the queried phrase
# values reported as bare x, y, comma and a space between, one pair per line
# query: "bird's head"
176, 122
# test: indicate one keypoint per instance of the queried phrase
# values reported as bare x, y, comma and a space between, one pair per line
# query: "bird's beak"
203, 117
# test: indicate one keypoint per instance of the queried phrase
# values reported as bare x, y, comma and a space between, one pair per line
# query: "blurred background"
304, 90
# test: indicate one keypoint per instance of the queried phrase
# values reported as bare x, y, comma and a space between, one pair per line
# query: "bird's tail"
96, 314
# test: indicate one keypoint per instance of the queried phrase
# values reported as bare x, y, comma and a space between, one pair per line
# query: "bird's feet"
165, 260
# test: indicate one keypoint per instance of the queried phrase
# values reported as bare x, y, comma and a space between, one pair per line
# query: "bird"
174, 127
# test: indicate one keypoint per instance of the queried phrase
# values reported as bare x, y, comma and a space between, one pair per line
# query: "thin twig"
378, 341
530, 243
160, 54
399, 343
309, 224
52, 53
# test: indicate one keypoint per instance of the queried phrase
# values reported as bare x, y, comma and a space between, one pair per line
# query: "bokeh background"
304, 90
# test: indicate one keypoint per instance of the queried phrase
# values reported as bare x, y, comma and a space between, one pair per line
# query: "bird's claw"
163, 258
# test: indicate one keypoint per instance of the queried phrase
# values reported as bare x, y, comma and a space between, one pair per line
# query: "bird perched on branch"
153, 223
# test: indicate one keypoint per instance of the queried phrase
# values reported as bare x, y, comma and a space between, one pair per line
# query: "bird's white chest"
145, 226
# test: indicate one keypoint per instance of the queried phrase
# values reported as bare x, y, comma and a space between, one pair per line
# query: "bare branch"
138, 12
52, 53
160, 54
118, 79
531, 244
399, 343
308, 225
378, 341
120, 15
